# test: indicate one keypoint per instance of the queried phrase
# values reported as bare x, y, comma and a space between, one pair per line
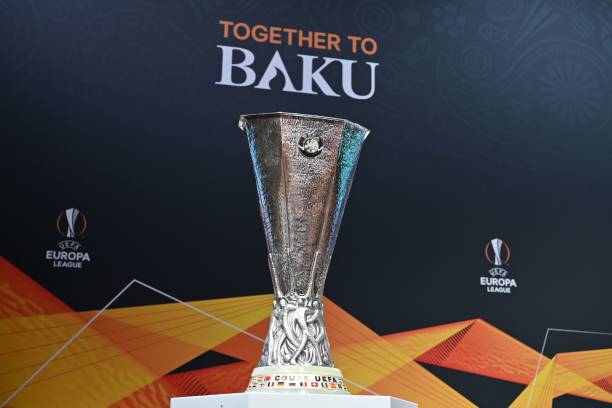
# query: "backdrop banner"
473, 265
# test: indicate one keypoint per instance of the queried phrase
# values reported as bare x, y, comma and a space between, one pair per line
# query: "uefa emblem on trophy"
304, 166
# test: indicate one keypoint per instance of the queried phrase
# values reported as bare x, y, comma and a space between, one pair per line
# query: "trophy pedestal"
267, 400
297, 380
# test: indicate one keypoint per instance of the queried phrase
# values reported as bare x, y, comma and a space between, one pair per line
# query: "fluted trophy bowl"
304, 166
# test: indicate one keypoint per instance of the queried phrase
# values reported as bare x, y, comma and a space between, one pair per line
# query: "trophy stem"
277, 289
312, 275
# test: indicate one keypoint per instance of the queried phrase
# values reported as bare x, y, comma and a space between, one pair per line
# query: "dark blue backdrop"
491, 118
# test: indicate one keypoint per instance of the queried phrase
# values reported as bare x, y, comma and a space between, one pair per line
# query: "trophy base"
264, 400
297, 380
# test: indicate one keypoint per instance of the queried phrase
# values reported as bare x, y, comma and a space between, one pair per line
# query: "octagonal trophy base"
298, 380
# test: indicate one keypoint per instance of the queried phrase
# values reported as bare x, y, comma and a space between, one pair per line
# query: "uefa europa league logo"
71, 223
500, 252
497, 252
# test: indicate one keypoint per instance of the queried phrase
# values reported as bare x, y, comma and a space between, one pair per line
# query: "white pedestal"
268, 400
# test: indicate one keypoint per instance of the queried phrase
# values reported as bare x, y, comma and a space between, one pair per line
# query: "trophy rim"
300, 115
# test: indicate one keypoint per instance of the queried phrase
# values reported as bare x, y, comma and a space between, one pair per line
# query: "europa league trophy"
304, 166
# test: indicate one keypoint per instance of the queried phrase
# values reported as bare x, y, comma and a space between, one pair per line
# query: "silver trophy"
304, 166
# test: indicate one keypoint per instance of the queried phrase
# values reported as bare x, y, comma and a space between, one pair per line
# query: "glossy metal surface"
304, 166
